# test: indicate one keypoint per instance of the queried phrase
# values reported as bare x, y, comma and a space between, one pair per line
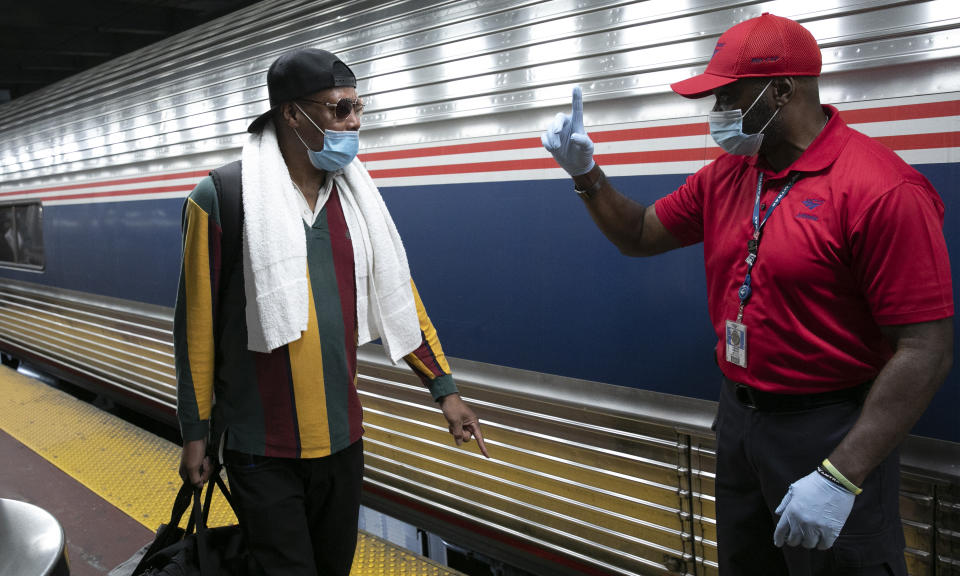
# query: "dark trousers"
299, 516
759, 454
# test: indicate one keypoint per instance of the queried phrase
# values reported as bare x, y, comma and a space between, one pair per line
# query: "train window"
21, 235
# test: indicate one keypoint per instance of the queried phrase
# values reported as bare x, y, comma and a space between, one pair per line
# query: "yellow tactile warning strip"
136, 471
132, 469
377, 557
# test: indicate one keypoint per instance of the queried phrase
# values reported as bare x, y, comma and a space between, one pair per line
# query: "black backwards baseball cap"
301, 72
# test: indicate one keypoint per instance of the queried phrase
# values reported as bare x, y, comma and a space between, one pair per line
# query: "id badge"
736, 348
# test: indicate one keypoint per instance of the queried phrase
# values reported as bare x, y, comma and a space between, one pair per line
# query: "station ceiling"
43, 41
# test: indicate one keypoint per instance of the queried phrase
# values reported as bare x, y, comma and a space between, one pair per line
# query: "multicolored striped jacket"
300, 400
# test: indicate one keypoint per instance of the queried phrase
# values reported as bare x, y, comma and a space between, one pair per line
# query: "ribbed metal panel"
930, 506
129, 349
422, 63
611, 489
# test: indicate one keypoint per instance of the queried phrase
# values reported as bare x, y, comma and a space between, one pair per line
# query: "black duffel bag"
196, 550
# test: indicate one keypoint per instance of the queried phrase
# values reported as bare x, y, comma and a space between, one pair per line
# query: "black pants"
299, 516
759, 454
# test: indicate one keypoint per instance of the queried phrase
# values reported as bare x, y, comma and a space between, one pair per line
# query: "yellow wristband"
843, 479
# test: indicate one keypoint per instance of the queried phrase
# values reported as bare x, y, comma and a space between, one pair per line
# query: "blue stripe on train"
517, 274
940, 419
125, 250
511, 273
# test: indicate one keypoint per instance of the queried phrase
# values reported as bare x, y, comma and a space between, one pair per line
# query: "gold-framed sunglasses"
343, 107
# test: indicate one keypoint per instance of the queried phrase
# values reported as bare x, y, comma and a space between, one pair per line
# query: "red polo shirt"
856, 244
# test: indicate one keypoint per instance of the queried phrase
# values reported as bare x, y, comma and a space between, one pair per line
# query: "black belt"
752, 398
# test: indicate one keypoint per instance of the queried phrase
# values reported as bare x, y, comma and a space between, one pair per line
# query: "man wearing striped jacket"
268, 351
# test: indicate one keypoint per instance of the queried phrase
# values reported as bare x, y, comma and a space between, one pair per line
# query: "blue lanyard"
754, 244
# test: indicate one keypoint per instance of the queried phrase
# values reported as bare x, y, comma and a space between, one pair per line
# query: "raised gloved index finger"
576, 115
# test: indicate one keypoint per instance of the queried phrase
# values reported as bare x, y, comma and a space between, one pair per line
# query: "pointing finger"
577, 112
475, 428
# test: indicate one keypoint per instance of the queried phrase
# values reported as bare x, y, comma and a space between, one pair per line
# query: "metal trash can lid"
32, 540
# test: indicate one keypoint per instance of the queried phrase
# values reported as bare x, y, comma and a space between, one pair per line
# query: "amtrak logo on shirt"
811, 204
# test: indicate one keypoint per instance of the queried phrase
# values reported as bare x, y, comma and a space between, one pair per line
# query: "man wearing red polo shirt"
829, 288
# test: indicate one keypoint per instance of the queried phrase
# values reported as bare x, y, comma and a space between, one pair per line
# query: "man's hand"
566, 139
194, 463
812, 513
463, 423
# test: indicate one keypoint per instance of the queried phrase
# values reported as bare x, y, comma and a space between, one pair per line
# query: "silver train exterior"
592, 372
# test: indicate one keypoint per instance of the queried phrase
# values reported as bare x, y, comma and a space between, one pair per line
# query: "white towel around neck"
275, 255
385, 305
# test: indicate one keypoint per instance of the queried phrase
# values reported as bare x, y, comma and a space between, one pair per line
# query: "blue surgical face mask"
726, 128
339, 147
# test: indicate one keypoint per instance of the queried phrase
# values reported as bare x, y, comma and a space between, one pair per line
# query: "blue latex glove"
566, 139
812, 513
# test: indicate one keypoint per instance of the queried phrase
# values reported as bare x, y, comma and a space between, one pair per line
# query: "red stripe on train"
139, 192
494, 146
673, 131
921, 141
884, 114
177, 176
905, 112
906, 142
647, 157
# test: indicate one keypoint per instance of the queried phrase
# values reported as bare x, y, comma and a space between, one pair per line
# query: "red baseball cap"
761, 47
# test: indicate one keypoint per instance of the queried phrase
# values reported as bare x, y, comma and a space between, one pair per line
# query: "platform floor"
111, 484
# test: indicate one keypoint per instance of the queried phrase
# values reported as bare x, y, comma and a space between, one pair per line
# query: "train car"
593, 373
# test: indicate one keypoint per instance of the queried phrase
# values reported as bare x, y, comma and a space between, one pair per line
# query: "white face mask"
726, 128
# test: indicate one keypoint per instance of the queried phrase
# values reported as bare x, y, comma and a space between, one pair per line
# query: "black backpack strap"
229, 184
170, 533
229, 187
